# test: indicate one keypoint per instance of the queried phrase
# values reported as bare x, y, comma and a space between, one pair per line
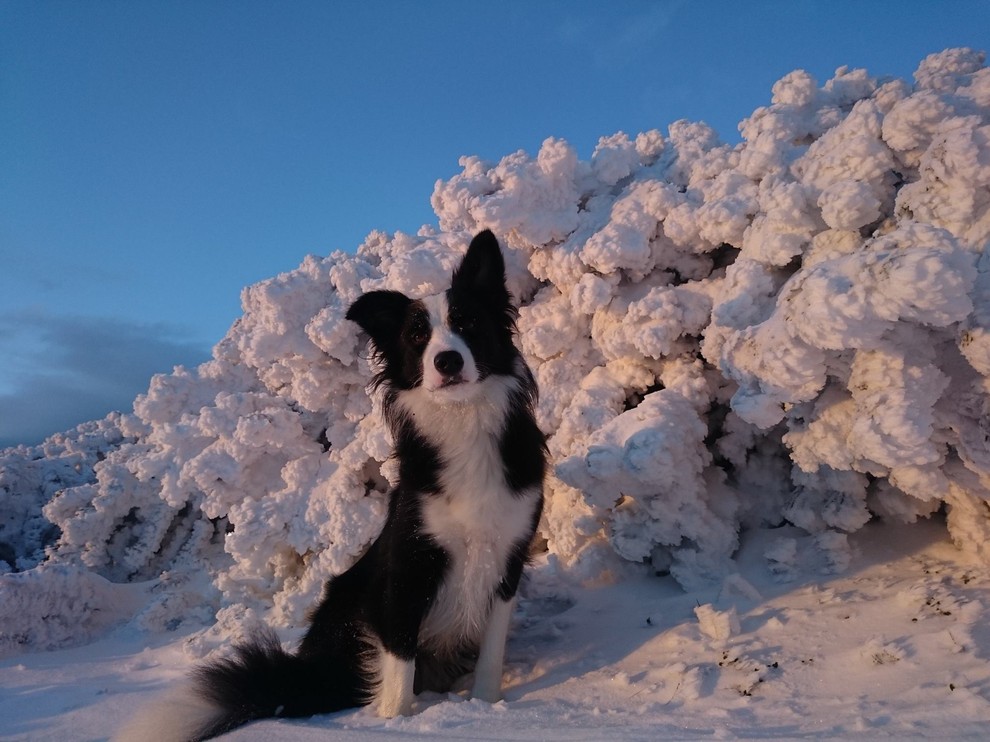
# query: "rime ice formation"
795, 328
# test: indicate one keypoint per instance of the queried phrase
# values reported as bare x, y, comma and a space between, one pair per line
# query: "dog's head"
449, 342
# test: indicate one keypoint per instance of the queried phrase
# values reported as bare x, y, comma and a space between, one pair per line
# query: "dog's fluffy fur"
432, 597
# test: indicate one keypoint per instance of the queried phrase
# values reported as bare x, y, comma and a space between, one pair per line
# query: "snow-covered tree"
795, 328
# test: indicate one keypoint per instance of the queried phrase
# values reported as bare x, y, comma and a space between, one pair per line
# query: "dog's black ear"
380, 314
482, 269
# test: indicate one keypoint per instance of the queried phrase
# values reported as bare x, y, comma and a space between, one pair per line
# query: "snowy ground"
896, 646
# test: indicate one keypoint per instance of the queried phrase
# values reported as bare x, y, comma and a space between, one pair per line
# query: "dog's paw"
487, 692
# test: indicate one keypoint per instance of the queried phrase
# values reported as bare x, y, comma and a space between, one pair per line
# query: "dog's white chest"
478, 529
475, 517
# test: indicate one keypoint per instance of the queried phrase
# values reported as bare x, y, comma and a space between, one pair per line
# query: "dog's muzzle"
449, 363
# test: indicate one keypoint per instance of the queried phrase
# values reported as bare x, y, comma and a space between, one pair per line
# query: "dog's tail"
260, 680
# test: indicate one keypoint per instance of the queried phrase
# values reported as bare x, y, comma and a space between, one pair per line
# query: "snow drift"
792, 329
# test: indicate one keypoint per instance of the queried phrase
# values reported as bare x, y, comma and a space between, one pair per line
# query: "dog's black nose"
448, 362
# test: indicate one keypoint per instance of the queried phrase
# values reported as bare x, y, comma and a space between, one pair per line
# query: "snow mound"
793, 329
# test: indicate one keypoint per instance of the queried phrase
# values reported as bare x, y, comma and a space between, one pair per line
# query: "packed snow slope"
792, 331
896, 647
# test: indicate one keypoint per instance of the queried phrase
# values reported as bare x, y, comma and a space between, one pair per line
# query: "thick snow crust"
792, 330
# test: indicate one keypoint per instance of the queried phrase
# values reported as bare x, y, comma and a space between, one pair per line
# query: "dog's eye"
419, 332
461, 322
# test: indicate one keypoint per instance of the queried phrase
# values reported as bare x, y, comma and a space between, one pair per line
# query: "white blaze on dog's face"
448, 364
449, 343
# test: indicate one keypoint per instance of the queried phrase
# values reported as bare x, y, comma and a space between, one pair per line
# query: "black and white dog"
432, 597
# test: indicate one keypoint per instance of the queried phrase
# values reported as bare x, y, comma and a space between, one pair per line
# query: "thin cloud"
615, 42
62, 371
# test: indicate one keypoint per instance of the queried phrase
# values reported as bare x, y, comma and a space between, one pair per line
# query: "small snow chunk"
849, 204
719, 626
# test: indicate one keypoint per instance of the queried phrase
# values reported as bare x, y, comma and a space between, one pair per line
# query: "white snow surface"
895, 648
780, 342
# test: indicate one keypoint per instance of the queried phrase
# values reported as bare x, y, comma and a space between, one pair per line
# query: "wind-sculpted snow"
792, 329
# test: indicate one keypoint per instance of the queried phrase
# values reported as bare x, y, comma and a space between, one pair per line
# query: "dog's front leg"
488, 671
410, 589
397, 663
395, 696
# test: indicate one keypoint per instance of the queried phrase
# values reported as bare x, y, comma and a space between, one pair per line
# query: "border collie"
431, 599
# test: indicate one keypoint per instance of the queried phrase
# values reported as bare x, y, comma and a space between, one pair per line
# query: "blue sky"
156, 157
